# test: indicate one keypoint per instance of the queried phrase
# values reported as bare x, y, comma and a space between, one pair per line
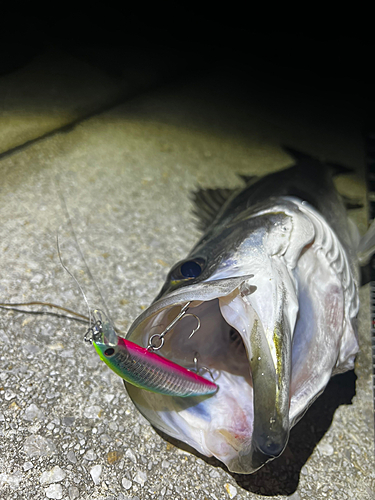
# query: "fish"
274, 282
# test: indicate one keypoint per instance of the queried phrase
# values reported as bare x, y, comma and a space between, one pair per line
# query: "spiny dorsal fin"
351, 203
249, 179
207, 204
297, 155
300, 158
338, 169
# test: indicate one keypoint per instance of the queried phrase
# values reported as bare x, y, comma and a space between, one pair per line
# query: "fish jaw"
246, 422
269, 355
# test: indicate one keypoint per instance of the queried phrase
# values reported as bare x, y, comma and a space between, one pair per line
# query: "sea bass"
274, 283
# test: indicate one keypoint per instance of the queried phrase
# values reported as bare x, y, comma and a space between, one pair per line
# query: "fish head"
243, 302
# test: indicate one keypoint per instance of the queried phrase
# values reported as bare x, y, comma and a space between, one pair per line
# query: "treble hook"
160, 336
198, 326
204, 368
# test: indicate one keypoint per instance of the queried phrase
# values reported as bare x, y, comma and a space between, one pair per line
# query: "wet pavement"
126, 151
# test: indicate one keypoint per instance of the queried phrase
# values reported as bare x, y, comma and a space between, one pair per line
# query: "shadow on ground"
281, 476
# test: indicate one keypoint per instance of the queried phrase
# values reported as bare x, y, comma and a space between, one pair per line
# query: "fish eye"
109, 352
191, 269
188, 270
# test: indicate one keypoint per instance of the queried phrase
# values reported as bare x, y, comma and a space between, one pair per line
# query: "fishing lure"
137, 365
141, 366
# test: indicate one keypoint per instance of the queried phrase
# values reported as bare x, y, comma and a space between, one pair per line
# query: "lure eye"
109, 352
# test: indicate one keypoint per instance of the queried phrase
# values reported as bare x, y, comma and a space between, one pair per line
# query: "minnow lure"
143, 368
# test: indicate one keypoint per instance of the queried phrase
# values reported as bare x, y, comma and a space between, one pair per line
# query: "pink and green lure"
142, 367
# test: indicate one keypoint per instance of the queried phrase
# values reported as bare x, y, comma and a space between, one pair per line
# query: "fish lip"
248, 463
270, 381
203, 291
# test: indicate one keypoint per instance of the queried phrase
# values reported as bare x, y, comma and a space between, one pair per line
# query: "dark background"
330, 67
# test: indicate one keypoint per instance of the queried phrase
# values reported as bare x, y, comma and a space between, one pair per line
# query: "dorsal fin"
351, 203
300, 157
338, 169
249, 179
207, 204
297, 155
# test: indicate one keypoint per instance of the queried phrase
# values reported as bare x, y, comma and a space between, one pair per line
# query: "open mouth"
222, 339
201, 340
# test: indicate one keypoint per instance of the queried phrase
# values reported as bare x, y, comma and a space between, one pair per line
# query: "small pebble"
27, 466
33, 412
37, 279
165, 464
9, 395
90, 455
54, 491
71, 457
130, 454
73, 492
114, 456
108, 397
32, 349
105, 439
113, 426
325, 449
12, 479
38, 446
52, 476
231, 490
92, 362
356, 449
126, 484
140, 478
4, 337
214, 474
95, 473
68, 421
92, 412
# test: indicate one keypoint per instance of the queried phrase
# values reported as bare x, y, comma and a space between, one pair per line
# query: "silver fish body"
274, 282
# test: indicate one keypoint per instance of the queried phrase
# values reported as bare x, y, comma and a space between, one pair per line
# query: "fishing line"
75, 279
13, 306
79, 317
65, 208
9, 306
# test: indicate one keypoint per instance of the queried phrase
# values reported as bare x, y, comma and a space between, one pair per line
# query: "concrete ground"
138, 145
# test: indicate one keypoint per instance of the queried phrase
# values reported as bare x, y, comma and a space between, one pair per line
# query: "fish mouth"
246, 423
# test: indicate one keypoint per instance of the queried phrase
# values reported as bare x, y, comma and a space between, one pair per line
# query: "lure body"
143, 368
